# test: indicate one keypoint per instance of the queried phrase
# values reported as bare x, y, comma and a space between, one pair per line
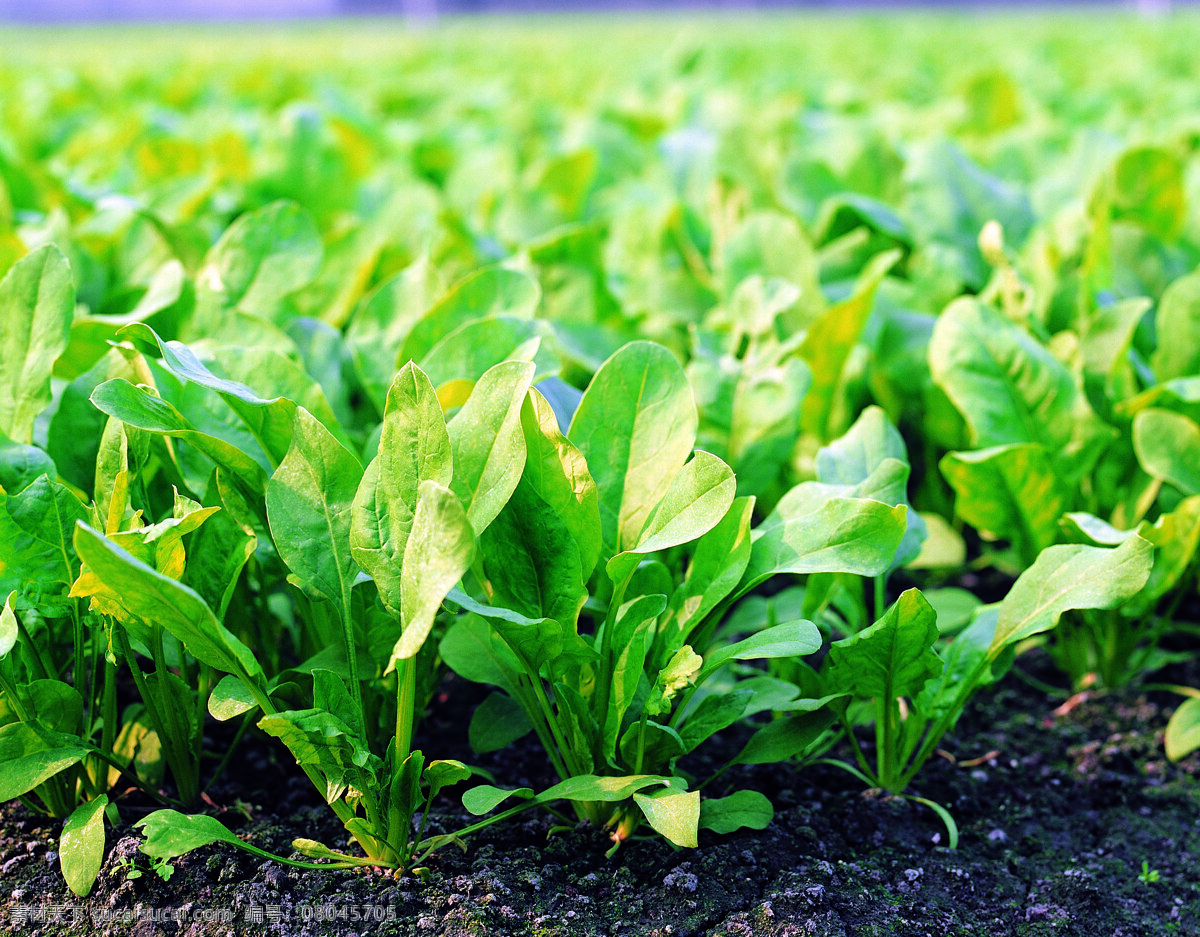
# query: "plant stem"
406, 697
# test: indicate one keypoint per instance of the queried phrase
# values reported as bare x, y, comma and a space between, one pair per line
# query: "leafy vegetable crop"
690, 402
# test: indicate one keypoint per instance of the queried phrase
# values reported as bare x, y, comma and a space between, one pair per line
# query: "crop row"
658, 418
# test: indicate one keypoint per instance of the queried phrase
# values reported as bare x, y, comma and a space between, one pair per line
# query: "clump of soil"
1074, 823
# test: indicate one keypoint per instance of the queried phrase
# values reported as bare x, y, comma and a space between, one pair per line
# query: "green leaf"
557, 471
444, 773
139, 407
1008, 387
497, 722
319, 739
414, 446
21, 464
532, 559
866, 455
438, 553
1183, 730
309, 502
383, 321
696, 501
829, 342
230, 698
43, 518
488, 443
485, 798
37, 304
674, 814
590, 787
764, 422
263, 256
474, 347
740, 810
492, 291
170, 833
636, 426
217, 554
1168, 447
270, 421
1011, 492
712, 714
965, 668
149, 595
790, 736
892, 658
629, 644
807, 533
790, 639
717, 566
1070, 577
1148, 189
475, 652
681, 671
9, 632
29, 757
1177, 323
81, 846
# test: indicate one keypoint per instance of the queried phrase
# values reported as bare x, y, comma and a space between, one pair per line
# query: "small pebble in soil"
998, 836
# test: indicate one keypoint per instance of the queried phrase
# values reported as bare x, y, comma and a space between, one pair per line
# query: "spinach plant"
595, 602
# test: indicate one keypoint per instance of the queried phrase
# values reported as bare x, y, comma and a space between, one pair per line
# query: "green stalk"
641, 742
406, 700
148, 698
570, 767
341, 809
183, 767
41, 665
934, 735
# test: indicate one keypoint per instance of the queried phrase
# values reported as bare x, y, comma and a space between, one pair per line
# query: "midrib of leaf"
1011, 372
491, 448
326, 513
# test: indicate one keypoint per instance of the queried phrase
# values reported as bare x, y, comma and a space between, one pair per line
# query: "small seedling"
1148, 875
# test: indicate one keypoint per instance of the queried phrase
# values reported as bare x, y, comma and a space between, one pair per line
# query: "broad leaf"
807, 533
81, 846
29, 757
892, 658
1168, 447
790, 639
153, 597
488, 442
138, 407
1009, 387
674, 814
740, 810
1011, 492
270, 421
438, 553
1183, 730
264, 255
636, 426
37, 303
1177, 323
497, 722
309, 502
413, 447
1070, 577
556, 470
697, 500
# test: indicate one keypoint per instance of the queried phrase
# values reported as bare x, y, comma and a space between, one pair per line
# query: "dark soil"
1056, 823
